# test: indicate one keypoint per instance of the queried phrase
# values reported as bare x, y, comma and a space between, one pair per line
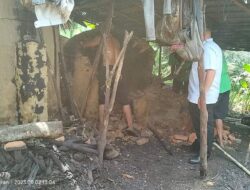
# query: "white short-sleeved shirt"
212, 60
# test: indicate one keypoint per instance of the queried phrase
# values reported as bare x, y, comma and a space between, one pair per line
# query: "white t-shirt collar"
208, 40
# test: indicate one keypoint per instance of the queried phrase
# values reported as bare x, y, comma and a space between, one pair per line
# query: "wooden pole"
66, 81
181, 13
57, 74
202, 99
160, 54
106, 30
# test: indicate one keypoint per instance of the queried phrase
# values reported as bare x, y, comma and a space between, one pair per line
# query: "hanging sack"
168, 26
192, 51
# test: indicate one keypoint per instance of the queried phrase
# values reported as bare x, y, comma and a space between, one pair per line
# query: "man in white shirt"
212, 60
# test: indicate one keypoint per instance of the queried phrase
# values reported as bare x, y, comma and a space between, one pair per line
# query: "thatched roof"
230, 18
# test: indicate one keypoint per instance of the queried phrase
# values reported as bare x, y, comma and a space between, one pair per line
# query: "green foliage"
165, 68
246, 67
243, 83
239, 70
73, 28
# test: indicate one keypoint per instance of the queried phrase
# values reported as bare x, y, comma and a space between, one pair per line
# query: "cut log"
80, 148
52, 129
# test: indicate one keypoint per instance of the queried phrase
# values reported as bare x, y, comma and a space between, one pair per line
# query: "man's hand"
175, 47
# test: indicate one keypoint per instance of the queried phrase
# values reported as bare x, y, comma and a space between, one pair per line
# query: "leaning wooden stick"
232, 159
96, 62
109, 102
167, 146
119, 69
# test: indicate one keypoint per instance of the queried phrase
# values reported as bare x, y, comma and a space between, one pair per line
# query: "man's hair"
208, 29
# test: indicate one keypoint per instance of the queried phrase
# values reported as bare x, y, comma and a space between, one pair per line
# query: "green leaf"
89, 25
243, 83
246, 67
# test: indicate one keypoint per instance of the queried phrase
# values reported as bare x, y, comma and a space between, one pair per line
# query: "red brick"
192, 138
181, 137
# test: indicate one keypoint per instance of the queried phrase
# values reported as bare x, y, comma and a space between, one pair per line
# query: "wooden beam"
92, 4
241, 6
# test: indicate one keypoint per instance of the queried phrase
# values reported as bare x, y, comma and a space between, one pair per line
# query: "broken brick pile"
165, 111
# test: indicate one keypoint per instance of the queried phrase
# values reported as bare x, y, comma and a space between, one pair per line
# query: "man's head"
207, 34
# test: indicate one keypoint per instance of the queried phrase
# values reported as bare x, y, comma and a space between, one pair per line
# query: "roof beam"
241, 6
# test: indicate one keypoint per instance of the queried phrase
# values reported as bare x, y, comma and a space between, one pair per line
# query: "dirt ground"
143, 167
150, 167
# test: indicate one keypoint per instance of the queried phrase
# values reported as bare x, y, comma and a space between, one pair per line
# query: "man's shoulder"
213, 46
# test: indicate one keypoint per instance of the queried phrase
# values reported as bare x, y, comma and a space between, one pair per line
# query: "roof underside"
230, 18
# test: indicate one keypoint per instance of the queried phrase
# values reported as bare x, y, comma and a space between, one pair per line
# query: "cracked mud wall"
32, 82
8, 39
11, 16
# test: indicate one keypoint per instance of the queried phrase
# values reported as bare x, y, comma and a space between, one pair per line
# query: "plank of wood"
52, 129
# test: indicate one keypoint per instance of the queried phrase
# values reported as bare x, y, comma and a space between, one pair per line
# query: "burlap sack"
192, 51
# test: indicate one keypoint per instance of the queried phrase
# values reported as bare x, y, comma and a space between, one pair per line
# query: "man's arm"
209, 78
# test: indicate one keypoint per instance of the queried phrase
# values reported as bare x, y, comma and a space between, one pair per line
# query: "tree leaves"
244, 83
246, 67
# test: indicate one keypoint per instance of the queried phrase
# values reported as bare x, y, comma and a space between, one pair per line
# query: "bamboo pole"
232, 159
